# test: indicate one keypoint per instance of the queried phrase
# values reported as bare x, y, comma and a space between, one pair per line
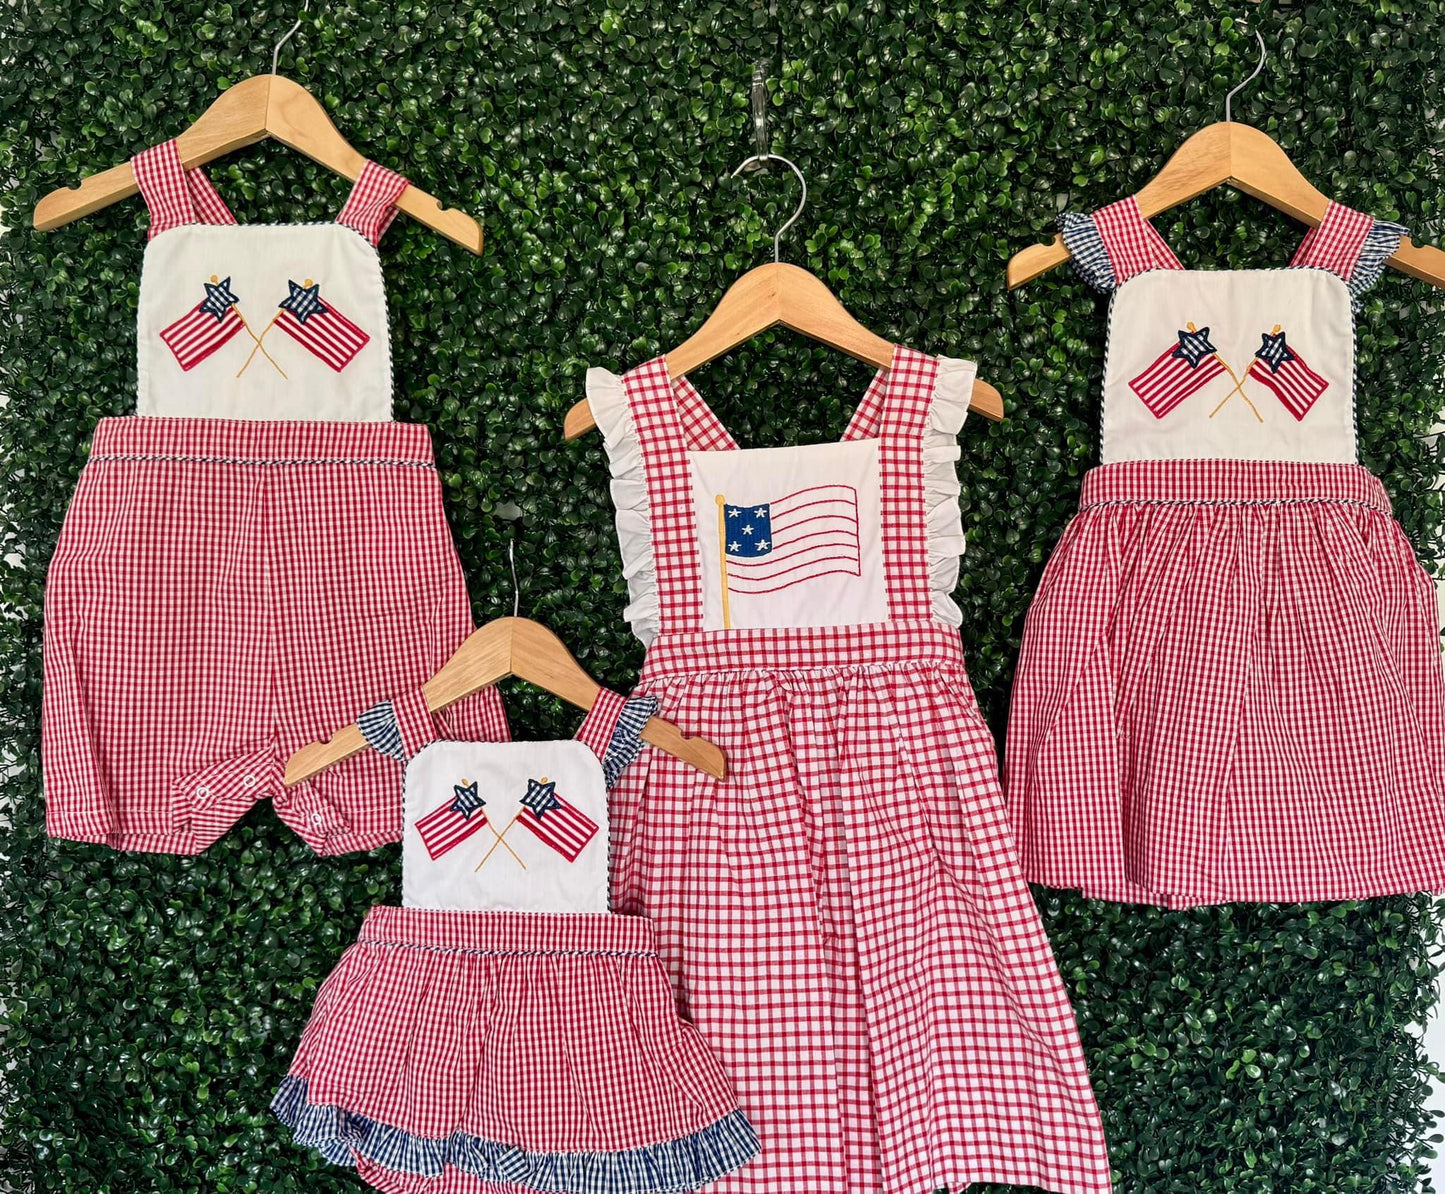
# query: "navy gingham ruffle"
688, 1163
1090, 259
378, 726
626, 742
1380, 244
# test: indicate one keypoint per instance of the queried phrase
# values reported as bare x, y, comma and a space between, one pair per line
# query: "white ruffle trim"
951, 396
608, 401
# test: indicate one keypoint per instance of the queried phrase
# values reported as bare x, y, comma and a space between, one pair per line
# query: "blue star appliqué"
303, 301
1194, 346
219, 299
467, 800
541, 796
1274, 352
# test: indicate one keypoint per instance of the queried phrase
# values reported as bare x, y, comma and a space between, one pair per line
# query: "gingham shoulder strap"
175, 196
1114, 243
371, 206
613, 729
1351, 244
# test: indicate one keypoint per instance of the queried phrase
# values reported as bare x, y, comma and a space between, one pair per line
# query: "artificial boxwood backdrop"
150, 1004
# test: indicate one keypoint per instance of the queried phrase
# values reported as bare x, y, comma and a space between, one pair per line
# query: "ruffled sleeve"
608, 400
1089, 257
951, 395
1380, 244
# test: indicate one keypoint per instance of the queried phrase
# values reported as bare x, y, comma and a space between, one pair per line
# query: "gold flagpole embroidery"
722, 556
1238, 384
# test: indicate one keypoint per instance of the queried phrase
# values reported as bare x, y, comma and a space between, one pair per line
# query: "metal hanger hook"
759, 158
288, 35
1263, 54
516, 588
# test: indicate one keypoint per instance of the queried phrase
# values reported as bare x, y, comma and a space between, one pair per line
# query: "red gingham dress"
226, 590
1230, 683
843, 916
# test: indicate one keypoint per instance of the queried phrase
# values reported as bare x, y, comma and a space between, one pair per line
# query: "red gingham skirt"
845, 921
224, 592
487, 1051
1230, 689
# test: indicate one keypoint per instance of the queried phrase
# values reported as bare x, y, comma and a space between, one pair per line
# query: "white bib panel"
312, 294
462, 797
1296, 402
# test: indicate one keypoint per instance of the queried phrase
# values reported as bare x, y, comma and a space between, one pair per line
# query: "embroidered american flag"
319, 327
206, 326
556, 823
1280, 368
769, 546
448, 826
1182, 369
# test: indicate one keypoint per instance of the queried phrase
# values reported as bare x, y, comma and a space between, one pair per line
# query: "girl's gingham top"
776, 538
1229, 364
277, 321
517, 829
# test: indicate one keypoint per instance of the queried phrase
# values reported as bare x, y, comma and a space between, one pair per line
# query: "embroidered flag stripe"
327, 334
809, 533
1297, 386
556, 823
445, 828
1171, 379
198, 333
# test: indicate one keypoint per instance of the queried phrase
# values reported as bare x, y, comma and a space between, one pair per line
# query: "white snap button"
317, 818
203, 791
250, 781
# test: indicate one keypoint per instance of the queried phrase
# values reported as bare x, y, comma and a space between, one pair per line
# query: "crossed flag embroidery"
317, 326
553, 821
1192, 362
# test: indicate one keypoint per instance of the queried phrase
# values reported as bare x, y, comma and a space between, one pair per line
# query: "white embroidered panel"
790, 536
1264, 369
552, 860
311, 294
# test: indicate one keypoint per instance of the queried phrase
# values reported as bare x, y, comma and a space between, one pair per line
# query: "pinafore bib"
1230, 683
271, 321
843, 916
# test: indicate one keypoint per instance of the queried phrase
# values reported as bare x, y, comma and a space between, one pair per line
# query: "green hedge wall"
150, 1004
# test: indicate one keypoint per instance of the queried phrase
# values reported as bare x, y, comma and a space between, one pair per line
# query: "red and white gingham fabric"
1336, 243
1131, 242
225, 592
371, 206
547, 1033
1230, 689
843, 917
173, 195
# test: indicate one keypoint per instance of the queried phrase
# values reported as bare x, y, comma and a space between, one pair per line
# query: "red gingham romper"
1230, 681
843, 916
227, 589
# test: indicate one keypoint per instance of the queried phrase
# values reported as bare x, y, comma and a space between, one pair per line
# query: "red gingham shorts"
224, 592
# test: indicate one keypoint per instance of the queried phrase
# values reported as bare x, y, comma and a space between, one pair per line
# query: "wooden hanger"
259, 107
782, 294
509, 647
1235, 154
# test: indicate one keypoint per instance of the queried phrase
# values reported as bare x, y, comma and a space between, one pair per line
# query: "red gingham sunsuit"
1230, 681
843, 916
227, 589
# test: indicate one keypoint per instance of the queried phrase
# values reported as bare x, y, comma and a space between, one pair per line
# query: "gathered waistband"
805, 648
260, 442
508, 932
1231, 482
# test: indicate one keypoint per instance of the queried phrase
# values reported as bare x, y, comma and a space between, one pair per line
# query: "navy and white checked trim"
626, 742
378, 726
1090, 259
688, 1163
1380, 244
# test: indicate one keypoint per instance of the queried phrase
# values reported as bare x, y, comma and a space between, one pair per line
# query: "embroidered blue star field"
467, 800
219, 298
303, 301
1194, 347
750, 530
1274, 352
